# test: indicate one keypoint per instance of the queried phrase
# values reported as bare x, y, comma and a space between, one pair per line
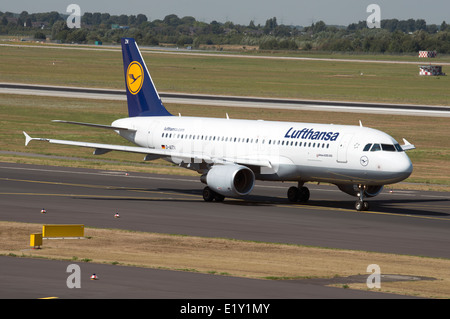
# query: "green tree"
172, 20
39, 35
87, 18
141, 18
58, 30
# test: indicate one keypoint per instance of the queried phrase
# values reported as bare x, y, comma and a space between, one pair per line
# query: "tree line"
394, 36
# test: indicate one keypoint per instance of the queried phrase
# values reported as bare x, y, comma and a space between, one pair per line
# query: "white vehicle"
230, 154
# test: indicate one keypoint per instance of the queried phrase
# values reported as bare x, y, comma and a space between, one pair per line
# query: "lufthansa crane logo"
135, 77
364, 160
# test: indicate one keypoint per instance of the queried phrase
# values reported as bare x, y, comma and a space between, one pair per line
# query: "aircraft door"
342, 148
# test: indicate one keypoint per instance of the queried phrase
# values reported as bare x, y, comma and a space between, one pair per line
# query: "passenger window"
375, 148
367, 147
388, 147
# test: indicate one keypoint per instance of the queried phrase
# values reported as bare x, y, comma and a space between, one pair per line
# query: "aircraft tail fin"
142, 97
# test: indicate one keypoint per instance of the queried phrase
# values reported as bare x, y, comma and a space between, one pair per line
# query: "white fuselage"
295, 151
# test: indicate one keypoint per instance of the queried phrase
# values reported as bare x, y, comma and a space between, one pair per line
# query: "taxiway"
401, 222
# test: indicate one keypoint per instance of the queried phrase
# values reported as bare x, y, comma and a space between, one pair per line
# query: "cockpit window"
398, 147
384, 147
388, 147
375, 147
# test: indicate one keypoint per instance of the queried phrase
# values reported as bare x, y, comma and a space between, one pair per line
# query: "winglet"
407, 146
28, 138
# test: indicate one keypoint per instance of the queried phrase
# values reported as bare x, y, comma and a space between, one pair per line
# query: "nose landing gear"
360, 204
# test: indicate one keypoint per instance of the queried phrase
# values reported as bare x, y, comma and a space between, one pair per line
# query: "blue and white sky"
290, 12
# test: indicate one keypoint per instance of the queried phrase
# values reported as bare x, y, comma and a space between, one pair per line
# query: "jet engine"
353, 190
230, 180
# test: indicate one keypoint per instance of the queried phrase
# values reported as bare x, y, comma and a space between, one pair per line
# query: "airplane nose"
404, 167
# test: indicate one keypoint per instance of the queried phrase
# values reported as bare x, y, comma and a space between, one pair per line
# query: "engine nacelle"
230, 180
370, 191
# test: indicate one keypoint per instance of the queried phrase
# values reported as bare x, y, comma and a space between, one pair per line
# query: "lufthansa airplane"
230, 154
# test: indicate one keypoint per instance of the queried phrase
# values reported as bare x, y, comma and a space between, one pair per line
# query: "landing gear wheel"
303, 194
296, 194
208, 194
293, 194
218, 197
361, 205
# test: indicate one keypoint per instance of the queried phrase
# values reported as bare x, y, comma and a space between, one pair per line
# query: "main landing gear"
360, 204
298, 194
209, 195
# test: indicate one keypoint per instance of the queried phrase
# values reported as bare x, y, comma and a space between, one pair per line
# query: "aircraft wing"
99, 146
105, 148
116, 128
259, 161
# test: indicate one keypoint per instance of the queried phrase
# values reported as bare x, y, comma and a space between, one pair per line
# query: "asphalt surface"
403, 222
231, 101
35, 278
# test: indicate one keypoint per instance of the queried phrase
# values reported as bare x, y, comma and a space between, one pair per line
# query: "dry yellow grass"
231, 257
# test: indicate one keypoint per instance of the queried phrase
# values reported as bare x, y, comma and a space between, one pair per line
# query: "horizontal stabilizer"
108, 127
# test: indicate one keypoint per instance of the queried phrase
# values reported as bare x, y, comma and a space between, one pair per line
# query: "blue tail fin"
142, 97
